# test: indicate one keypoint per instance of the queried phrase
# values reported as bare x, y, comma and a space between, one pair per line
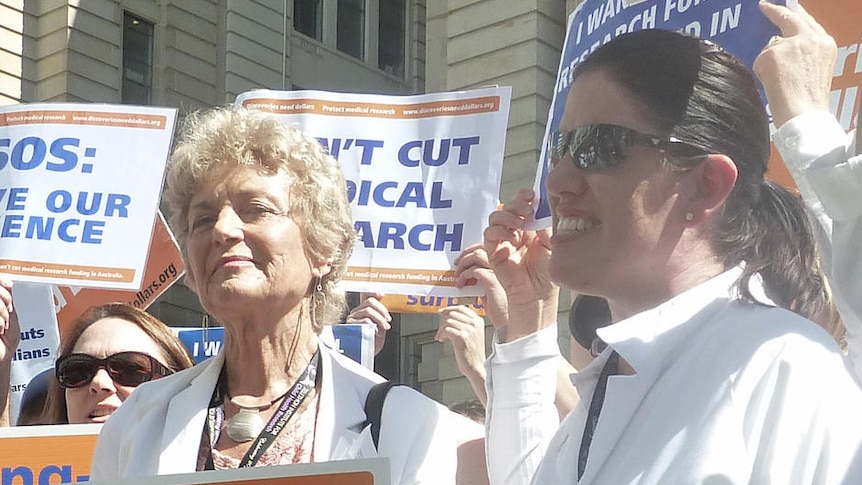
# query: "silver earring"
689, 216
317, 301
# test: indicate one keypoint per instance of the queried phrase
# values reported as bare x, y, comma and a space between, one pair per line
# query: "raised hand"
472, 264
10, 334
372, 310
466, 330
519, 258
795, 69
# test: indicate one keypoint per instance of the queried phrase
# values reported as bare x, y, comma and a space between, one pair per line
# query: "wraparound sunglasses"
129, 369
602, 146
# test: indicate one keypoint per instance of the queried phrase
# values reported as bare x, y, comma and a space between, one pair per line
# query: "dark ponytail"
706, 97
773, 236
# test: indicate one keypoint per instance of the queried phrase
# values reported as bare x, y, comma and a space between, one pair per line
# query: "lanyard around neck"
611, 367
289, 405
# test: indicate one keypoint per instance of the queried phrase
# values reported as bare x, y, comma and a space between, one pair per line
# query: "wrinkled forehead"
240, 180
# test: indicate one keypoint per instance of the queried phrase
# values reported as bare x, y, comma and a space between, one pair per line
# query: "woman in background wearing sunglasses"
714, 371
110, 350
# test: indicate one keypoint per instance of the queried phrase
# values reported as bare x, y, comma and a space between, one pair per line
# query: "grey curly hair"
218, 137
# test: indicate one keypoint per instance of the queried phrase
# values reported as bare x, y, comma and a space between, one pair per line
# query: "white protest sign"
79, 190
423, 175
40, 340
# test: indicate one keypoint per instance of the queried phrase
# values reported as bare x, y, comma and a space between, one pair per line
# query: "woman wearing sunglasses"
109, 351
714, 371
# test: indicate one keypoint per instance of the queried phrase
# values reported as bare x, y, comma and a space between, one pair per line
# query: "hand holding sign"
520, 260
796, 69
472, 265
10, 334
466, 330
371, 310
9, 331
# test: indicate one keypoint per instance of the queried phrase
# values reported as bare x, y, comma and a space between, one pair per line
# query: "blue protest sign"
353, 340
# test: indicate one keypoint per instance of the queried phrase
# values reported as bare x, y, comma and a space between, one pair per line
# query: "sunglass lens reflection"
130, 369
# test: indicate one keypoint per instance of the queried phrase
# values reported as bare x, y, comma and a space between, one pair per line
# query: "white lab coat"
725, 391
157, 431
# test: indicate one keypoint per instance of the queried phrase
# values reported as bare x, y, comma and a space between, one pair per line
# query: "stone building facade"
196, 53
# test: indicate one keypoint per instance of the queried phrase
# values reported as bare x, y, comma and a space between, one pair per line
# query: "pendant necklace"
247, 424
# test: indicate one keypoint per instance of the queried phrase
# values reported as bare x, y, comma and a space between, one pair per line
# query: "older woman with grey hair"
262, 217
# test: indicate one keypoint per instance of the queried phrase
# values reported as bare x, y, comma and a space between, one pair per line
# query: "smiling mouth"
231, 261
100, 414
573, 225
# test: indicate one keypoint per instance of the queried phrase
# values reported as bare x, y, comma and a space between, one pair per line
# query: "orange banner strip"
400, 275
484, 104
82, 273
95, 118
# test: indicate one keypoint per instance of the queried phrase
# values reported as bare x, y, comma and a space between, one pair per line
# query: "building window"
351, 22
137, 60
308, 18
374, 31
390, 42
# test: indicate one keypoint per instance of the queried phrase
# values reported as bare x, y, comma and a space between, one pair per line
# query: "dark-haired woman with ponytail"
717, 367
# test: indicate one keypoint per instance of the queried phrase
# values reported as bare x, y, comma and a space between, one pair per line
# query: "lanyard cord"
289, 405
611, 367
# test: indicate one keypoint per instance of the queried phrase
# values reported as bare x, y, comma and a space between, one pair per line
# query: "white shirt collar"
647, 340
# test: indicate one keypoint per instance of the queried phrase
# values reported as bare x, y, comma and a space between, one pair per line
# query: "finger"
468, 251
380, 309
511, 220
475, 258
787, 21
450, 333
544, 236
809, 19
484, 277
501, 253
6, 293
525, 194
6, 300
10, 324
366, 315
522, 204
461, 317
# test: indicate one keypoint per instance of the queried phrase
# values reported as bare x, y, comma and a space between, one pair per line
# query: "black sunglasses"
129, 369
601, 146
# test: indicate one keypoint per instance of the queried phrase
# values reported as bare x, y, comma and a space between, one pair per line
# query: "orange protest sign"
372, 471
164, 268
31, 455
353, 478
430, 304
843, 20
